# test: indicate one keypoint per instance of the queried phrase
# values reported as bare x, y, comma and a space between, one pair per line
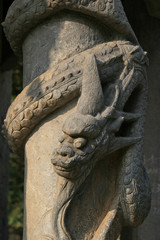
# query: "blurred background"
144, 16
11, 166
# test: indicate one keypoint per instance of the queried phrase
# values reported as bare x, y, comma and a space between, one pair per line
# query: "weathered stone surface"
41, 186
84, 173
55, 49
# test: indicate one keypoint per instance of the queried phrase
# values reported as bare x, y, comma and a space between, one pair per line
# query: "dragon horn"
91, 100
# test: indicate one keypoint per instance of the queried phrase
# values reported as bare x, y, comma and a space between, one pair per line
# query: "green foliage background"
16, 178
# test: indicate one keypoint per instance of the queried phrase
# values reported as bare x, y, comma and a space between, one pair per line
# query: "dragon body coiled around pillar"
109, 118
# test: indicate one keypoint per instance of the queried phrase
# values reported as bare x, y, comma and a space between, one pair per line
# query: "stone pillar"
50, 43
79, 120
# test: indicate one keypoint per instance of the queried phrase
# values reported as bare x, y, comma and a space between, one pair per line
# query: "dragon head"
89, 133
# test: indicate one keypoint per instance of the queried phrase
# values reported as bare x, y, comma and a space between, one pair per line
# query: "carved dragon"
89, 137
102, 142
93, 132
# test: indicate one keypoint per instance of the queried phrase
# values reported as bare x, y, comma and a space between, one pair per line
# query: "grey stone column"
48, 44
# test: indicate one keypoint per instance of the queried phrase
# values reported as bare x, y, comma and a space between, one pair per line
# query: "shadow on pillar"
147, 30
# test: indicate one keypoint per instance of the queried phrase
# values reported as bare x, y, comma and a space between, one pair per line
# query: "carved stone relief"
88, 104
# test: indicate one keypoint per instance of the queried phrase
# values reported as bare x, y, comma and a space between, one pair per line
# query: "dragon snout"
66, 151
63, 155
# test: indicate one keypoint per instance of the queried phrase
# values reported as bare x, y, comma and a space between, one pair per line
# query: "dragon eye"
80, 142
